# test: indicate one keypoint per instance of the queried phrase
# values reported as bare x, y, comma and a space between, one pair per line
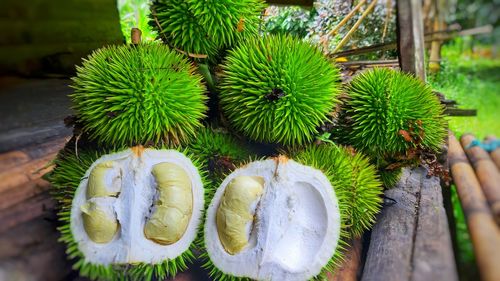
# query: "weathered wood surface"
484, 232
410, 240
32, 111
351, 267
411, 37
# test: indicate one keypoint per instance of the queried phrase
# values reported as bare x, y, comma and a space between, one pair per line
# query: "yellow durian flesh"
97, 186
234, 212
174, 206
100, 226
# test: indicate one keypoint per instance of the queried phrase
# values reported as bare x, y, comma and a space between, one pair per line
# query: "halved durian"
274, 219
134, 213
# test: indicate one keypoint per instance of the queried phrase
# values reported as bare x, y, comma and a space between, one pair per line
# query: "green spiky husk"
355, 181
390, 177
205, 27
382, 102
278, 89
65, 178
219, 152
129, 95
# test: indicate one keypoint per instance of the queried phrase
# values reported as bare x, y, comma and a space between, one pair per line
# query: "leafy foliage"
205, 27
278, 89
128, 95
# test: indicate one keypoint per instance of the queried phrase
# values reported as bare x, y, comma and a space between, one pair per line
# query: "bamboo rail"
346, 18
484, 232
495, 154
486, 172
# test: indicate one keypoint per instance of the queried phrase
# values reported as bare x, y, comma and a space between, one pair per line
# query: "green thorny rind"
212, 144
218, 152
390, 177
65, 178
382, 102
129, 95
355, 181
205, 27
278, 89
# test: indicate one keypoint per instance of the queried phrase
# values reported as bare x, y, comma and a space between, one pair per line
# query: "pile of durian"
152, 182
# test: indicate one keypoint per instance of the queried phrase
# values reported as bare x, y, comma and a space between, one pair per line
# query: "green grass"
473, 80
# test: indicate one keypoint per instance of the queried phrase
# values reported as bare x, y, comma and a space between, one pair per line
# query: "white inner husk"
296, 224
132, 208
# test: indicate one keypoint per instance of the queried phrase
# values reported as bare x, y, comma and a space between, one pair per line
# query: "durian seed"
101, 226
97, 186
235, 212
173, 207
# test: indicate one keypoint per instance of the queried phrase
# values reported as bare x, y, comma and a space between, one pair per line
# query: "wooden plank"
484, 232
35, 207
23, 192
390, 251
351, 266
486, 172
410, 33
25, 173
433, 257
410, 240
460, 112
30, 251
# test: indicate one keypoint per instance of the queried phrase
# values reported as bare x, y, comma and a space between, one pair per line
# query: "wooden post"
411, 37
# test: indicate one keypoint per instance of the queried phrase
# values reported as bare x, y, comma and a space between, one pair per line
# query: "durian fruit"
391, 115
203, 28
354, 179
129, 95
132, 214
392, 112
272, 219
278, 89
218, 152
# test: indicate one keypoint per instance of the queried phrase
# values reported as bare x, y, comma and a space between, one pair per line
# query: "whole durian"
273, 219
203, 28
129, 95
354, 179
128, 215
392, 112
278, 89
390, 115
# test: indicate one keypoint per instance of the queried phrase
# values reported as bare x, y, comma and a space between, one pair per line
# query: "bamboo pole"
356, 25
484, 232
388, 10
486, 172
495, 154
346, 18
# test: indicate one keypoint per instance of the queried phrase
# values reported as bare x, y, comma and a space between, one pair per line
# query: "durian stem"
135, 35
